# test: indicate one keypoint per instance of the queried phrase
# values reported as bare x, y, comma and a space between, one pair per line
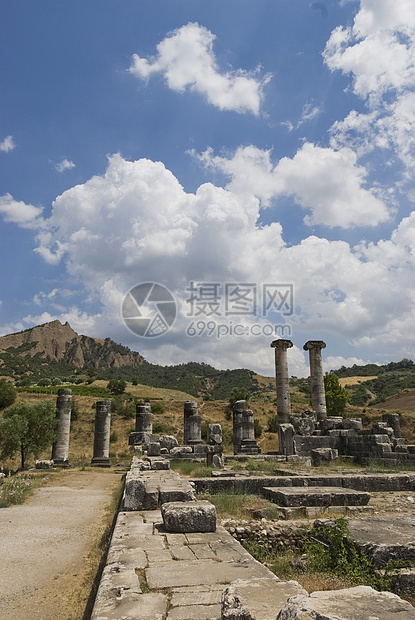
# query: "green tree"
27, 429
238, 393
7, 393
116, 386
336, 396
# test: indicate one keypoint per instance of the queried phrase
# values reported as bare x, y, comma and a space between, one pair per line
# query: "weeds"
15, 490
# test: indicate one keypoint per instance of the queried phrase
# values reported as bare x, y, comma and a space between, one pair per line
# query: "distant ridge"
56, 351
60, 343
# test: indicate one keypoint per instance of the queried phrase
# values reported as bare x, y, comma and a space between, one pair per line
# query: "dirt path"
45, 545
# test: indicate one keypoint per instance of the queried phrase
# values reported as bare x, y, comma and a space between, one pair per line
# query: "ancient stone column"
143, 425
282, 380
63, 415
102, 434
192, 424
249, 444
237, 415
248, 426
318, 394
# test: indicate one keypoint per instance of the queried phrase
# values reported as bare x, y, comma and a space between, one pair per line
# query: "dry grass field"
170, 419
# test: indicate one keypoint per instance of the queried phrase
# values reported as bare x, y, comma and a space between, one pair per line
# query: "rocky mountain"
56, 351
54, 342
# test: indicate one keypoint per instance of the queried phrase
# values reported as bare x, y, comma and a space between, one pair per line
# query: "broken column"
282, 380
102, 434
237, 417
192, 424
249, 444
214, 453
143, 425
318, 394
63, 415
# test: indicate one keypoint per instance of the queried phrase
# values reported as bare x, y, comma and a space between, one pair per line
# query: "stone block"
304, 423
214, 434
218, 461
199, 450
45, 464
185, 517
258, 598
320, 456
359, 602
134, 493
158, 463
315, 496
352, 424
153, 449
180, 493
168, 441
181, 450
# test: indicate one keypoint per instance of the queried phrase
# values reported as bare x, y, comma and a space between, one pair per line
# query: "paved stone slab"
199, 572
315, 496
188, 597
258, 599
195, 612
202, 552
384, 539
357, 603
181, 552
152, 606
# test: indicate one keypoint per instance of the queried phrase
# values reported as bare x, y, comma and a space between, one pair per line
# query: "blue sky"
259, 150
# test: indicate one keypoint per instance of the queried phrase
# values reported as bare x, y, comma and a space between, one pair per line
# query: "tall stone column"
282, 380
192, 424
238, 424
318, 394
63, 415
143, 418
102, 434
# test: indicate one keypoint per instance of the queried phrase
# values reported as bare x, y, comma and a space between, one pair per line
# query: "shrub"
44, 382
272, 424
157, 408
257, 428
116, 386
7, 393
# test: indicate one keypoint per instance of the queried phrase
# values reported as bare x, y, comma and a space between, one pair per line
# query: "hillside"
375, 385
56, 352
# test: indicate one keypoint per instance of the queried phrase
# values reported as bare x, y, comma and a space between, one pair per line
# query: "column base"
100, 461
61, 463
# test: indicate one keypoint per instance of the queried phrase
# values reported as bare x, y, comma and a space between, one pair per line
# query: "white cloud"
186, 59
135, 223
378, 52
8, 144
65, 164
20, 213
326, 182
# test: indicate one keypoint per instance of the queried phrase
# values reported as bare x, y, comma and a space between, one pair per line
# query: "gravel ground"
44, 564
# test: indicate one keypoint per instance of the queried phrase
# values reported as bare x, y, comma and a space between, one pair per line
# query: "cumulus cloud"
7, 144
186, 60
63, 165
25, 215
135, 223
327, 182
378, 52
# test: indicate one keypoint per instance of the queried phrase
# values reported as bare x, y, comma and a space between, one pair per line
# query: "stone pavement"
152, 574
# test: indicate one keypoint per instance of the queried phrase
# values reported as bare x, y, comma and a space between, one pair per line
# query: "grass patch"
15, 490
191, 469
235, 505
